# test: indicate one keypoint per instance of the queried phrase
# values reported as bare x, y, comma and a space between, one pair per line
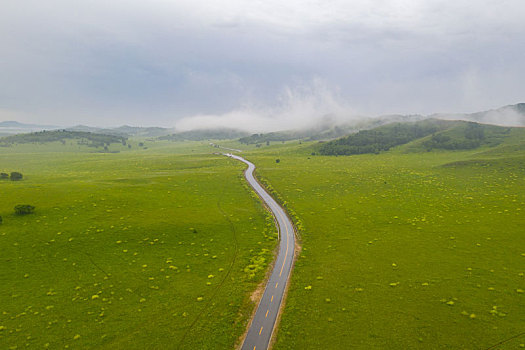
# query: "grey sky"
261, 64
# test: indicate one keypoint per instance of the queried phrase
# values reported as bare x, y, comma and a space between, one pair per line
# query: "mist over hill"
12, 127
325, 127
511, 115
306, 115
329, 128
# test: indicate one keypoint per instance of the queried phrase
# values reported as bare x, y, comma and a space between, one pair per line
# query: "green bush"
16, 176
24, 209
4, 176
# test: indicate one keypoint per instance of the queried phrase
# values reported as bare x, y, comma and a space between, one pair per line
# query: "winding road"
262, 326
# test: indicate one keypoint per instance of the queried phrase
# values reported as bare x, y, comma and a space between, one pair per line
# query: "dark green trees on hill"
467, 135
434, 134
380, 139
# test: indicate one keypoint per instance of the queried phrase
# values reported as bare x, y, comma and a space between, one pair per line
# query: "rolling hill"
423, 135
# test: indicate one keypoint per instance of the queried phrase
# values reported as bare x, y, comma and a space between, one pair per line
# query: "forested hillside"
432, 133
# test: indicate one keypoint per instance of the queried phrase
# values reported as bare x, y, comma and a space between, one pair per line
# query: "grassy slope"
112, 225
432, 134
402, 252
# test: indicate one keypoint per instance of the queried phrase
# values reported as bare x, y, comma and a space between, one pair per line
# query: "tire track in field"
230, 268
505, 341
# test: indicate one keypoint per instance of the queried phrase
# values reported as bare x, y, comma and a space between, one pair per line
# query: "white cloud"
75, 61
299, 107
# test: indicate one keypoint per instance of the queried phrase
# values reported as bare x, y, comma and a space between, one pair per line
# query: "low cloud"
505, 116
300, 107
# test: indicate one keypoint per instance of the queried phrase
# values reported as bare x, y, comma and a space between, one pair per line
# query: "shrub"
16, 176
4, 176
0, 219
24, 209
277, 160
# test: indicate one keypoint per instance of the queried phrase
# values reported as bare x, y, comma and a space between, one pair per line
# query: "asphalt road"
262, 326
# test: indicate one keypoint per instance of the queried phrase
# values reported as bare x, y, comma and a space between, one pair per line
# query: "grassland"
148, 248
160, 247
404, 250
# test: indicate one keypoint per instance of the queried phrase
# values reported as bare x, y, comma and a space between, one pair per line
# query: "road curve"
262, 326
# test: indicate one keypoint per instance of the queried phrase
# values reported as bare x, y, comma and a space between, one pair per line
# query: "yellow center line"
283, 219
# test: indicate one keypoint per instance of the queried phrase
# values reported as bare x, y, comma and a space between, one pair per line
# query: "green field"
404, 250
148, 248
160, 246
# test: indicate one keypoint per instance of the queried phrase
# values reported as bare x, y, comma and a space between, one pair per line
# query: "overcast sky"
262, 64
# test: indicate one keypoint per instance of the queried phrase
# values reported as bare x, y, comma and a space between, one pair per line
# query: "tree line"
379, 139
436, 134
87, 138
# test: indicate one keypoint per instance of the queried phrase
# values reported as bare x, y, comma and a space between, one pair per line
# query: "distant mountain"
85, 128
124, 130
14, 127
15, 124
143, 131
83, 138
205, 134
511, 115
276, 136
328, 130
